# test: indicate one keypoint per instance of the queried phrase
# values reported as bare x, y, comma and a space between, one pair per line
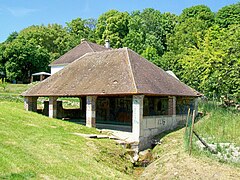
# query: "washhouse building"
117, 87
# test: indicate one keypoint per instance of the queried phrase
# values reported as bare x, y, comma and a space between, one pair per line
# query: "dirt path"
174, 163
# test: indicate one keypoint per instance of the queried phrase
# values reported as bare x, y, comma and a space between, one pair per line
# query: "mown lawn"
34, 146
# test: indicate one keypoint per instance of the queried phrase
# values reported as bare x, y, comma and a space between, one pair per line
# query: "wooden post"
191, 134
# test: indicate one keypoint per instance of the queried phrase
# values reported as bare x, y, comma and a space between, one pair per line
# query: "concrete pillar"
137, 117
30, 103
53, 107
171, 105
91, 111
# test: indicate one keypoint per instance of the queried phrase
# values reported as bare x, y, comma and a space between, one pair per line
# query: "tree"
11, 37
228, 15
80, 29
214, 68
33, 49
151, 54
148, 31
200, 12
102, 23
25, 58
113, 25
3, 60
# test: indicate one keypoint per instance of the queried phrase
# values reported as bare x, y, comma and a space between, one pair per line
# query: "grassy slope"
219, 124
173, 161
13, 91
35, 146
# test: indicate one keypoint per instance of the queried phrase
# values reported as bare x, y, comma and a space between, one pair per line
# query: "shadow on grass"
20, 176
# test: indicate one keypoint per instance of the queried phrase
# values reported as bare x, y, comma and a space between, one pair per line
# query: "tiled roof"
77, 52
113, 72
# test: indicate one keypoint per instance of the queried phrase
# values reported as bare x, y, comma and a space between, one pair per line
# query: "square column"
172, 105
91, 111
53, 107
30, 103
137, 116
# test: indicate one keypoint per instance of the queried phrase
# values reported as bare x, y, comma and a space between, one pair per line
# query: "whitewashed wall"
55, 69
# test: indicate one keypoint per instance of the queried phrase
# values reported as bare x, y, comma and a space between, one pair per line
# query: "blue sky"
18, 14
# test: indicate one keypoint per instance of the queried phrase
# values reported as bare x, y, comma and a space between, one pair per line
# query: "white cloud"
20, 11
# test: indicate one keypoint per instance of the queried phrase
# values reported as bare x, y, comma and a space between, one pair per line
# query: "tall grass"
219, 124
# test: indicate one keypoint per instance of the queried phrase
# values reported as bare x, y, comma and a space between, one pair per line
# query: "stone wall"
154, 125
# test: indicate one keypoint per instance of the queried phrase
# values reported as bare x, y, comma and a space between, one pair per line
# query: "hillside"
219, 125
34, 146
173, 162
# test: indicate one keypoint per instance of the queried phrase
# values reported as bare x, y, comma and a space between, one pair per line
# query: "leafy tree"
228, 15
151, 53
53, 38
80, 29
214, 68
113, 25
148, 31
33, 49
3, 60
11, 37
200, 12
102, 23
25, 58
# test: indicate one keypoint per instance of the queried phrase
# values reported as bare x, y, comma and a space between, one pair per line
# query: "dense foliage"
201, 47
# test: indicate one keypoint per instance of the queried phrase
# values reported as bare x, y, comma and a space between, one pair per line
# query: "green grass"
15, 88
12, 92
219, 124
36, 147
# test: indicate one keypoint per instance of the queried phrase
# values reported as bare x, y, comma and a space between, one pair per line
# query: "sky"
16, 15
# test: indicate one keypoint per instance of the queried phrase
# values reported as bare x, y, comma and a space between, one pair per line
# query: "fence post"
187, 120
191, 133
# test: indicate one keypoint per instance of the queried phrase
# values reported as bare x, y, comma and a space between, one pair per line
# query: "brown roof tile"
113, 72
77, 52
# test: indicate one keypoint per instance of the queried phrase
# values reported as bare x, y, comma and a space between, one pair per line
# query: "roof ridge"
68, 52
129, 63
89, 45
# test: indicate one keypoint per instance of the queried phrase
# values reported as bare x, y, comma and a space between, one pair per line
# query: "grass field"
12, 92
33, 146
219, 124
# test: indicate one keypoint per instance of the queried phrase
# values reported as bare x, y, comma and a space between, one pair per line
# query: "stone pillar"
91, 111
53, 107
137, 117
172, 105
30, 103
